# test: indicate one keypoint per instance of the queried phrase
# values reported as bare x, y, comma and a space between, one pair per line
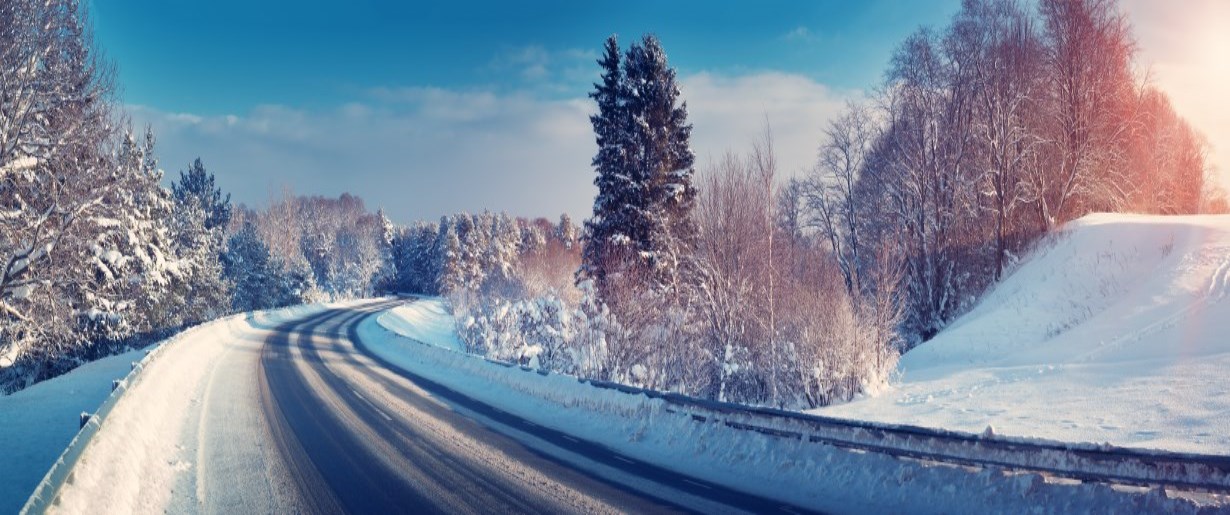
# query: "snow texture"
808, 474
1115, 331
37, 423
427, 320
143, 458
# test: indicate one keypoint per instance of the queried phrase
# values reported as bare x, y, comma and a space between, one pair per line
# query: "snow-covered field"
807, 474
1116, 331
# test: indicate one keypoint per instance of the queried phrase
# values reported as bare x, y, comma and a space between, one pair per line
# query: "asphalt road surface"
359, 435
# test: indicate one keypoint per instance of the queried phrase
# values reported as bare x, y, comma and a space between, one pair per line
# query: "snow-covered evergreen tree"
644, 164
663, 161
258, 280
611, 233
566, 232
199, 221
385, 276
197, 185
448, 257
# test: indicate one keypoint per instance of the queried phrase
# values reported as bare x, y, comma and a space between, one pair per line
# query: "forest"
736, 281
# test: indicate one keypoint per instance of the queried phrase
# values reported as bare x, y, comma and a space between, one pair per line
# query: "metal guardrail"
1085, 462
61, 470
1100, 463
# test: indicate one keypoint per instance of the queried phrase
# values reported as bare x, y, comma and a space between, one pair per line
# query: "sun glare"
1187, 46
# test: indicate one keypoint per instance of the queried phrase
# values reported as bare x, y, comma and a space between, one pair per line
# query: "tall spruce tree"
644, 164
609, 232
662, 163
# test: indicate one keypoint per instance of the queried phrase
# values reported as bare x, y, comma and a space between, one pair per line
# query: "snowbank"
1116, 331
427, 320
136, 463
807, 474
38, 422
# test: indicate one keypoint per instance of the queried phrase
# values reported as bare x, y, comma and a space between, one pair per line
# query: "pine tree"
197, 185
386, 274
566, 232
664, 161
448, 257
642, 213
258, 281
199, 221
610, 233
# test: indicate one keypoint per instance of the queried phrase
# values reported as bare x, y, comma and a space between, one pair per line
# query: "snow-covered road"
332, 409
290, 417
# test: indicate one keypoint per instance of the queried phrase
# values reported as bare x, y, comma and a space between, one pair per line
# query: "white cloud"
422, 152
728, 113
799, 33
541, 68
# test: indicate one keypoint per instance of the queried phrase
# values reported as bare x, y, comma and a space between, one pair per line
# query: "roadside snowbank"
139, 456
426, 319
37, 423
807, 474
1118, 331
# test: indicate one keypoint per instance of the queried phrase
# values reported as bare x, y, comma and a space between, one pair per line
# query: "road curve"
358, 435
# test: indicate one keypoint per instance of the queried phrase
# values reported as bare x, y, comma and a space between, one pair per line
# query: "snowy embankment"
142, 457
819, 476
37, 423
426, 320
1117, 331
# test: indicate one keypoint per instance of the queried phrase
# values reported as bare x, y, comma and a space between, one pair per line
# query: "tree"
662, 162
56, 164
996, 38
258, 280
831, 194
200, 216
644, 170
1088, 51
566, 232
611, 233
197, 186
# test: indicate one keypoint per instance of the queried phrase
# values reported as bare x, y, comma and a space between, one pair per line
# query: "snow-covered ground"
37, 423
128, 459
426, 320
1117, 331
804, 473
140, 461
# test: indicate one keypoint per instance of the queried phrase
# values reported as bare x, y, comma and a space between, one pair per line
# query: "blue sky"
432, 108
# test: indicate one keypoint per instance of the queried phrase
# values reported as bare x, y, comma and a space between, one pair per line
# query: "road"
358, 435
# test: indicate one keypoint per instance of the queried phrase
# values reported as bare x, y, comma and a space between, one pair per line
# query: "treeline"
697, 290
496, 253
96, 256
985, 136
304, 249
93, 251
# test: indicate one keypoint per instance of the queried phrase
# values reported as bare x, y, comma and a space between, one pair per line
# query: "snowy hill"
1117, 330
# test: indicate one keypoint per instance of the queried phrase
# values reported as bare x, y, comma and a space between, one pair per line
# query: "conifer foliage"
641, 224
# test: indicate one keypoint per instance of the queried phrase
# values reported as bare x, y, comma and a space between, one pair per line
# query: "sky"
427, 109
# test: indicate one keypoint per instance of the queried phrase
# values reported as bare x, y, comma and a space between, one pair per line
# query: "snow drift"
1116, 330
